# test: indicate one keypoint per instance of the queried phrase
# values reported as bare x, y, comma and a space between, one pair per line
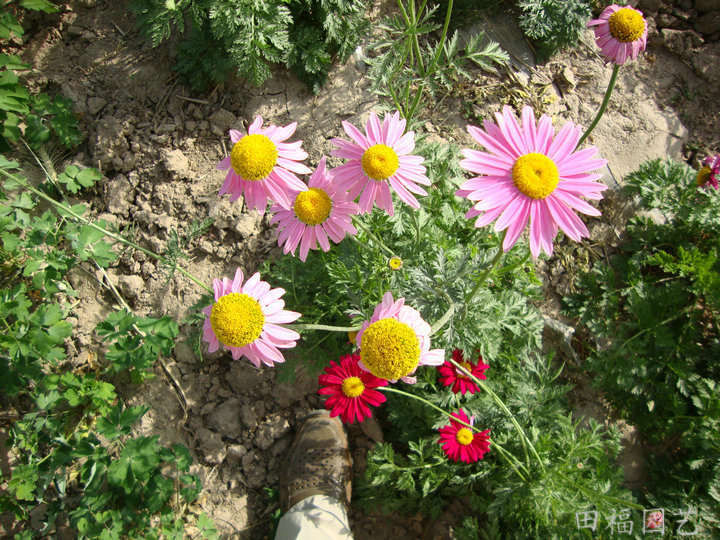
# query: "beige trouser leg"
316, 518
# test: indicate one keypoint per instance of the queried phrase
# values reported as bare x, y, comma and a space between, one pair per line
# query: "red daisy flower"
461, 383
350, 389
460, 443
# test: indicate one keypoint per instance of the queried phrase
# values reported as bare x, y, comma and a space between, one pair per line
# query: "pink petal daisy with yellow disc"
246, 319
395, 341
379, 160
621, 33
318, 212
261, 166
531, 174
460, 443
709, 173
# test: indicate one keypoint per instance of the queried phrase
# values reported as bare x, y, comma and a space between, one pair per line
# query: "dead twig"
194, 100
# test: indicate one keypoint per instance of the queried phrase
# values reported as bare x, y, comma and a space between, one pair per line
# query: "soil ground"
157, 144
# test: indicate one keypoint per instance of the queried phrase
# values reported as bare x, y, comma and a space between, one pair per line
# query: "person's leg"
315, 482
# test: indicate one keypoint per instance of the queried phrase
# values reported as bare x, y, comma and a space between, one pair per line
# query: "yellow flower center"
467, 366
626, 25
535, 175
395, 263
313, 206
464, 436
353, 387
380, 162
237, 319
253, 157
390, 349
703, 175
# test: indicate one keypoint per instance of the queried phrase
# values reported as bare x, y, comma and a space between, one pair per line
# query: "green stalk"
431, 68
367, 231
107, 233
485, 274
416, 43
523, 437
446, 316
329, 328
603, 105
503, 452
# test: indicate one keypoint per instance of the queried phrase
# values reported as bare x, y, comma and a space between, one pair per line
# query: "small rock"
74, 31
222, 121
708, 23
650, 5
247, 225
244, 379
118, 195
110, 143
665, 20
95, 104
270, 430
176, 163
147, 269
131, 286
225, 418
247, 462
235, 453
87, 3
211, 446
707, 5
679, 41
88, 36
248, 416
165, 222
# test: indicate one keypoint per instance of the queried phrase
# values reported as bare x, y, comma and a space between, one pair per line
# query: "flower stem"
97, 227
446, 316
327, 327
524, 439
486, 273
504, 453
430, 71
367, 231
603, 105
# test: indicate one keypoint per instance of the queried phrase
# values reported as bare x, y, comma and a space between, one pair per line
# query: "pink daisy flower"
350, 390
395, 341
461, 383
621, 33
380, 160
261, 166
709, 173
246, 319
460, 443
317, 212
529, 173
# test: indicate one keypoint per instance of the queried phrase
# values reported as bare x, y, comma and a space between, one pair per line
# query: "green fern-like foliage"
553, 24
656, 305
253, 35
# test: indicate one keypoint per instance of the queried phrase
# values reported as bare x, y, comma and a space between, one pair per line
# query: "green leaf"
39, 5
23, 482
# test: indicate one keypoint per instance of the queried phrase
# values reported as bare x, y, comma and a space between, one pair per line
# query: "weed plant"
223, 35
653, 310
77, 464
33, 117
